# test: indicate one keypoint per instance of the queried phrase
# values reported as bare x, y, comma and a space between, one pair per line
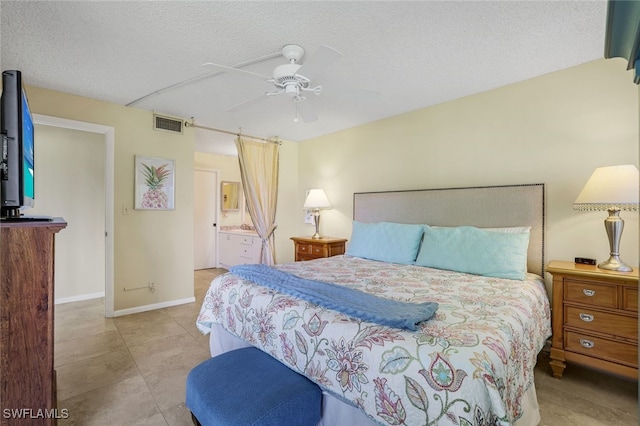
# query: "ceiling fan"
295, 79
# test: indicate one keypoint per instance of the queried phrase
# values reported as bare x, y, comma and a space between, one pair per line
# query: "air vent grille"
167, 124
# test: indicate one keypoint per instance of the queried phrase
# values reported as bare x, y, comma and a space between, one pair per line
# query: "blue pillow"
475, 251
385, 241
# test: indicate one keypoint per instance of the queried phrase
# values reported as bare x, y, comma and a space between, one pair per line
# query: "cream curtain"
259, 171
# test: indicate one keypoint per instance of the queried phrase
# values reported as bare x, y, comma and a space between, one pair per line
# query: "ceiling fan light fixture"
291, 89
296, 117
292, 52
293, 79
287, 73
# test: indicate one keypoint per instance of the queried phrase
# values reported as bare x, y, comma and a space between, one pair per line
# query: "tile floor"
131, 370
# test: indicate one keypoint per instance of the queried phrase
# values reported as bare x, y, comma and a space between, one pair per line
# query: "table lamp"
612, 189
316, 200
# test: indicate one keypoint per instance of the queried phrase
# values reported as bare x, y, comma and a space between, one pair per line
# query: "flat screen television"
17, 185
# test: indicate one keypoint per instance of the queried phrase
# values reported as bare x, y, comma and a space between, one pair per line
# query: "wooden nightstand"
306, 248
594, 318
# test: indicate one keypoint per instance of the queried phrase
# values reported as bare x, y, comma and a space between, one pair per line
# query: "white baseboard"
146, 308
79, 298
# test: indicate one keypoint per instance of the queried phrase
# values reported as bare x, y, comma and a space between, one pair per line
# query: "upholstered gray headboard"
483, 207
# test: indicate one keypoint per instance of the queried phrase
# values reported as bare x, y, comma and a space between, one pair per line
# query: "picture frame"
154, 183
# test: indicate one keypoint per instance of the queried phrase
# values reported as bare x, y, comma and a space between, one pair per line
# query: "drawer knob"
587, 343
586, 317
588, 292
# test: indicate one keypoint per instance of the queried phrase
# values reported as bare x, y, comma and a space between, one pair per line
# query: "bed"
470, 364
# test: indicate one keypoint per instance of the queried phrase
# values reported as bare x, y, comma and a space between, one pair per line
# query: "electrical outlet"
308, 218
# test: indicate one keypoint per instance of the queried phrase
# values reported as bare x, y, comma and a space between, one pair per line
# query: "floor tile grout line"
146, 384
129, 347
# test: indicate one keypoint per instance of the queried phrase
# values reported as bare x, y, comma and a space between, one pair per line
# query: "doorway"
205, 223
106, 137
69, 183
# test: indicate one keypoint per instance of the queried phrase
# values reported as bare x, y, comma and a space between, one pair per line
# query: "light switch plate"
308, 218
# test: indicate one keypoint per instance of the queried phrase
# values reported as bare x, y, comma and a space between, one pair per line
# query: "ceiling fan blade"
321, 59
238, 71
247, 102
351, 94
306, 112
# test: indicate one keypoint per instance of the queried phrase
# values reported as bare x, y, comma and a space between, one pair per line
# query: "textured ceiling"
415, 54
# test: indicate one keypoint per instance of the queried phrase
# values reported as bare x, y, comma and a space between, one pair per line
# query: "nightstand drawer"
610, 350
319, 251
304, 249
311, 251
317, 248
601, 322
630, 299
591, 293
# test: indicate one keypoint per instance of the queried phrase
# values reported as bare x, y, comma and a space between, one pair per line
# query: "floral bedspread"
468, 365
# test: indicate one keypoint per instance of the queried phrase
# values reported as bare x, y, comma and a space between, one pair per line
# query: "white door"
205, 219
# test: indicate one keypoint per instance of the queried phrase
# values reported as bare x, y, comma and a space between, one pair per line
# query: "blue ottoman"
248, 387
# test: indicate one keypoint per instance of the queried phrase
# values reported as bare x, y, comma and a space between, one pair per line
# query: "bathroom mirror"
230, 196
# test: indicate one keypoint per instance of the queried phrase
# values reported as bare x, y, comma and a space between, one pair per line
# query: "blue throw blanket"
351, 302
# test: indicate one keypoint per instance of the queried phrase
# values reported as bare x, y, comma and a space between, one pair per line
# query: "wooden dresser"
594, 318
27, 378
306, 248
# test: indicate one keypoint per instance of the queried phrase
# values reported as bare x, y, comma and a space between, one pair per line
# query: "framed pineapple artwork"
155, 178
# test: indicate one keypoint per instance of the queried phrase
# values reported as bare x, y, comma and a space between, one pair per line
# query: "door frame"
109, 140
216, 173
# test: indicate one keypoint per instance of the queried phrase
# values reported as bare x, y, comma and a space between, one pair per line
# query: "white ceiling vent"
168, 124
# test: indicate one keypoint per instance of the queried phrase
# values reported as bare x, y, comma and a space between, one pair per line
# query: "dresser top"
567, 267
56, 223
323, 240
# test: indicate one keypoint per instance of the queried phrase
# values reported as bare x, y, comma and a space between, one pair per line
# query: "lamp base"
316, 221
614, 226
615, 264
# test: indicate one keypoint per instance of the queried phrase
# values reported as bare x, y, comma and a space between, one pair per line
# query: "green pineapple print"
155, 197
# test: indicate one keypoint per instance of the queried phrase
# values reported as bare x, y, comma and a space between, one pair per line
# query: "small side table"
594, 318
306, 248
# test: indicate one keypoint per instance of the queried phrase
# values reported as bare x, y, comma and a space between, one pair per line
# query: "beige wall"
555, 129
61, 155
289, 204
150, 246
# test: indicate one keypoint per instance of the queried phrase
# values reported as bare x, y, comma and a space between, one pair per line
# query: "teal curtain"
623, 33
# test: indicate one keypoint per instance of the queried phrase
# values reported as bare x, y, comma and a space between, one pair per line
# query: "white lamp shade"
316, 199
615, 186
